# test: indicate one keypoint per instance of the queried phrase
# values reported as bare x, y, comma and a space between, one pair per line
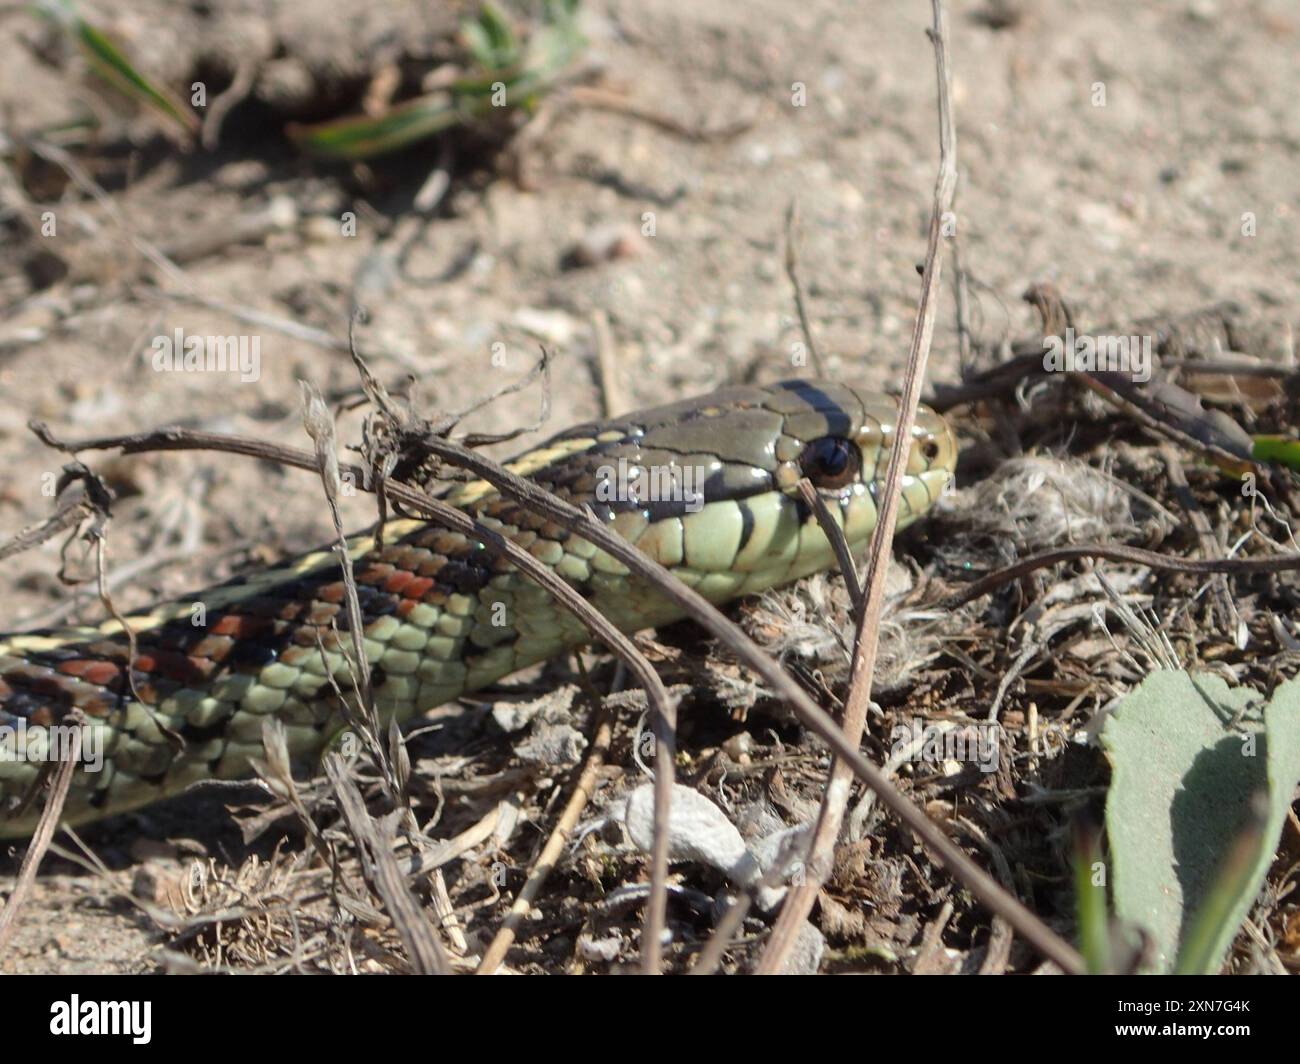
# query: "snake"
708, 487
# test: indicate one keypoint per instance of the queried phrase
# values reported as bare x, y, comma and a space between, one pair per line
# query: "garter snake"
708, 487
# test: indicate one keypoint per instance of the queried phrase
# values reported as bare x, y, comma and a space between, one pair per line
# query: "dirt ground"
1132, 204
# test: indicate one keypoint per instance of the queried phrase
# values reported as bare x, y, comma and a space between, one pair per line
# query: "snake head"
739, 523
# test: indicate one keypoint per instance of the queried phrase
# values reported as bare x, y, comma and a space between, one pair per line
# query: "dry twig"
799, 902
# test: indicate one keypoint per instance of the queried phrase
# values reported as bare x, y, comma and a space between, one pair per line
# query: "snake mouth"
931, 467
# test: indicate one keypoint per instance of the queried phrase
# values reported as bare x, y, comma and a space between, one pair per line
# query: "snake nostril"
930, 449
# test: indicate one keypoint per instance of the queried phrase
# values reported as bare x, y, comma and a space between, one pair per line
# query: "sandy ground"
1111, 148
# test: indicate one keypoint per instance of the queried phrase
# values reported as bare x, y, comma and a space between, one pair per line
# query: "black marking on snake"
201, 733
372, 601
510, 636
251, 652
746, 523
660, 510
466, 577
375, 599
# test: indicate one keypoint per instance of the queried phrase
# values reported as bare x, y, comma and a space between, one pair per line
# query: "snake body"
708, 487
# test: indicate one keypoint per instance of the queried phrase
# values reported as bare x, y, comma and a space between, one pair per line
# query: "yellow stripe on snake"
708, 487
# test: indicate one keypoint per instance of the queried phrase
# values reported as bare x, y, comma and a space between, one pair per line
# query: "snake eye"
831, 462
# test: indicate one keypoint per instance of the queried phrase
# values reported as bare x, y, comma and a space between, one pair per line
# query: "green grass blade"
112, 65
1090, 897
366, 137
1280, 449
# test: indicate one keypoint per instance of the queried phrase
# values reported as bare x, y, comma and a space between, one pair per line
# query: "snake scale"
708, 487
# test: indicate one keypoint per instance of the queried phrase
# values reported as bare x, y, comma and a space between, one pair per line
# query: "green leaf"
1201, 787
